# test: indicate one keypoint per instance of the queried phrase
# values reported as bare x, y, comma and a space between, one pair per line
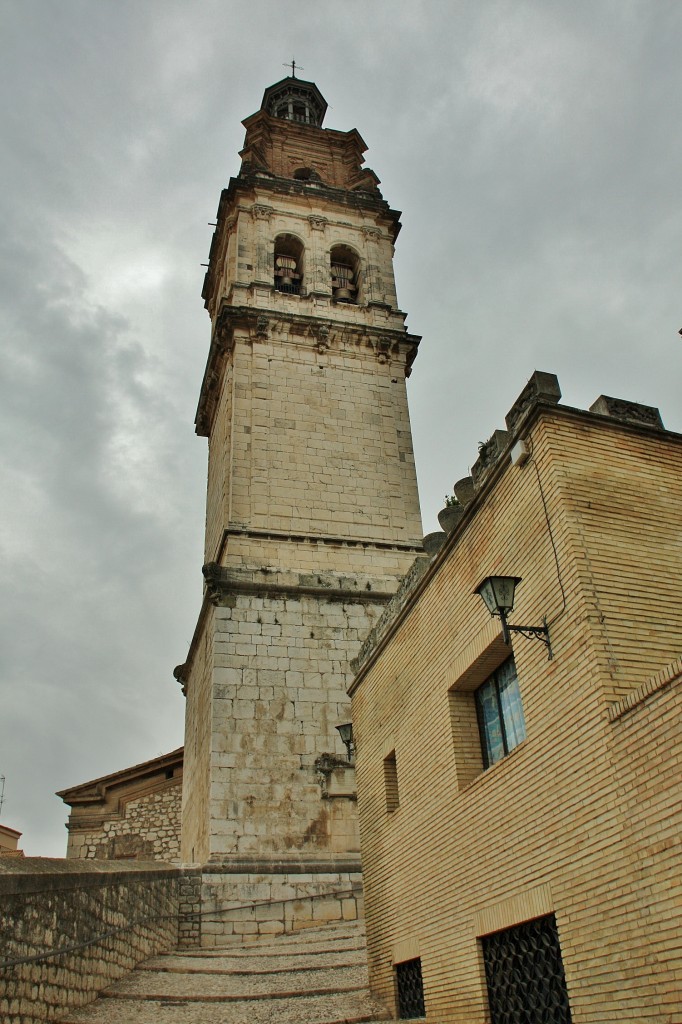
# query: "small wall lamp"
346, 734
497, 593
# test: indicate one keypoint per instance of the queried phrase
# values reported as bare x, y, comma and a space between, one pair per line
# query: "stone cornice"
315, 538
223, 583
96, 791
302, 329
276, 865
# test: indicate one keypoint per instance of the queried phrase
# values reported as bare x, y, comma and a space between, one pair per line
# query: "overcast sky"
535, 151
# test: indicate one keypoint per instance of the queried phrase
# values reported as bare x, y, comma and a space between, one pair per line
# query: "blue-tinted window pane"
510, 700
489, 718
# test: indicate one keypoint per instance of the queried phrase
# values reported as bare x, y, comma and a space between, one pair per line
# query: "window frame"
391, 788
503, 723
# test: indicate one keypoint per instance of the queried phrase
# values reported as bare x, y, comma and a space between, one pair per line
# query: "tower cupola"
292, 99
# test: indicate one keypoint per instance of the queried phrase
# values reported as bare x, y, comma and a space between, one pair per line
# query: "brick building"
520, 815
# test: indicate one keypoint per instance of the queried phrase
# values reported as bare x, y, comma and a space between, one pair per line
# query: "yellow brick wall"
577, 820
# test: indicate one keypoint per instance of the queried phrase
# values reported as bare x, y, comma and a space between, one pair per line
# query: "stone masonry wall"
314, 445
147, 828
240, 906
106, 916
279, 690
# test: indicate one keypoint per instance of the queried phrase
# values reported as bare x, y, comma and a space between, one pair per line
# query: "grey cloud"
533, 148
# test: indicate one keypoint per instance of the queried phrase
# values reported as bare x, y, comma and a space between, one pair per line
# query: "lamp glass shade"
498, 593
346, 732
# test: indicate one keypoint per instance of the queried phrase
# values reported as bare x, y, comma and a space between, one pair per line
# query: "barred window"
525, 974
410, 988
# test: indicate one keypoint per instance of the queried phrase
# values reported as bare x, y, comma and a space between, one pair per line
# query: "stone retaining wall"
107, 916
238, 906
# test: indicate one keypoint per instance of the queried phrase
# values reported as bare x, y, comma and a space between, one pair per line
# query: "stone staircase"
314, 976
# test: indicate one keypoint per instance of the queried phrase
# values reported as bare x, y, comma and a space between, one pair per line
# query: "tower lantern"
295, 100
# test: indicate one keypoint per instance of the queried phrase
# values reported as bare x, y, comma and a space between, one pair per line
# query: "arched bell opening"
288, 271
306, 174
345, 271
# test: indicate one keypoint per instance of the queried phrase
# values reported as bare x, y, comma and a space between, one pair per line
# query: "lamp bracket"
540, 633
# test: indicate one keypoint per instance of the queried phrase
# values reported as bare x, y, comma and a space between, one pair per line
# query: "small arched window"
288, 264
306, 174
345, 268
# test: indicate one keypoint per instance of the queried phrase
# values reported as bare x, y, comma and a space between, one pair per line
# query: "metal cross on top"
293, 67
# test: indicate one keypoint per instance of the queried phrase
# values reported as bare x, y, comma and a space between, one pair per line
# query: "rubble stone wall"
106, 917
147, 828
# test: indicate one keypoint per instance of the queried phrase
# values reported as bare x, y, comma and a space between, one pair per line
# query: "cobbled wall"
146, 827
106, 916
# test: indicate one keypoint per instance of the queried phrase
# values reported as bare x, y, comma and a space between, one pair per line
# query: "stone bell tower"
312, 508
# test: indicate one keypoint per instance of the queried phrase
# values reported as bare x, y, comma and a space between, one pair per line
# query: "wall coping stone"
47, 874
282, 866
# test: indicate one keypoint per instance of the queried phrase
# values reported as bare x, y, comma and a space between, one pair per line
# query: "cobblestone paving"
318, 976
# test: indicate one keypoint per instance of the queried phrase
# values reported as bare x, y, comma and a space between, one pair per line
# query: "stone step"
316, 976
344, 1008
235, 985
255, 962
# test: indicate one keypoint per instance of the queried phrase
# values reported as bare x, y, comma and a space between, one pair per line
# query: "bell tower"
312, 510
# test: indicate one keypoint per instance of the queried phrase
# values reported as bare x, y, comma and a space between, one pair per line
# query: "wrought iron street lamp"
497, 593
346, 734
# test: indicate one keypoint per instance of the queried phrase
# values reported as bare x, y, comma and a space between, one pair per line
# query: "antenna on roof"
2, 791
293, 67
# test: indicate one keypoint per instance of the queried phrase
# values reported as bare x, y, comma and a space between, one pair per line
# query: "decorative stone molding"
298, 329
262, 327
317, 223
322, 339
374, 233
223, 336
222, 584
488, 453
542, 387
382, 347
262, 212
181, 673
629, 412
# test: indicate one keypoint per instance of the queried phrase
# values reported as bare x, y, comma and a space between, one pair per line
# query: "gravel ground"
161, 984
318, 976
257, 962
302, 1010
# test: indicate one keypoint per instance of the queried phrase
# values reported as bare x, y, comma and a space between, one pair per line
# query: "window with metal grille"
391, 782
408, 976
500, 713
525, 974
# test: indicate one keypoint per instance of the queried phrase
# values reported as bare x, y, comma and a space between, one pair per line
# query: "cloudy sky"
535, 151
